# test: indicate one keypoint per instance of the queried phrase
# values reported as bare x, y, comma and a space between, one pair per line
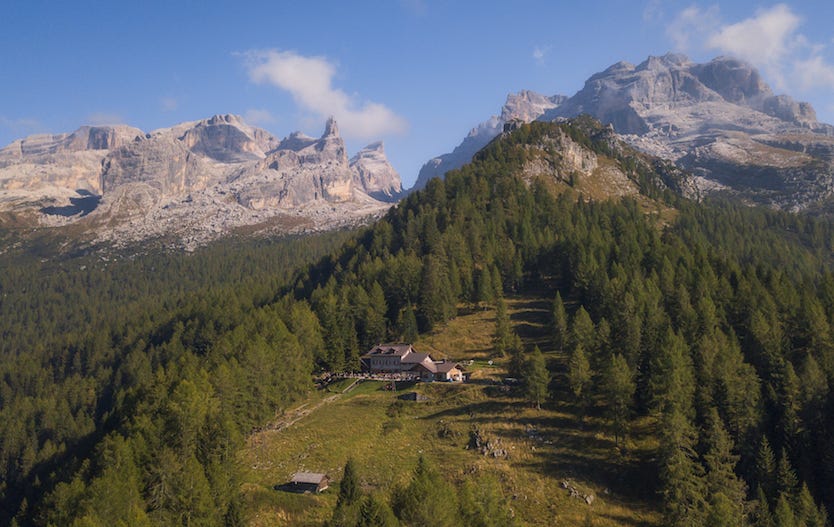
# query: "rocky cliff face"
54, 167
298, 171
524, 106
720, 120
374, 175
195, 180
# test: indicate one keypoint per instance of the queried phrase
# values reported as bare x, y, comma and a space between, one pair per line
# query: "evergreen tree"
787, 484
483, 504
503, 332
579, 377
807, 513
349, 489
560, 323
726, 492
783, 515
346, 513
408, 324
486, 290
583, 331
427, 500
761, 513
765, 470
515, 366
375, 513
619, 388
536, 378
682, 480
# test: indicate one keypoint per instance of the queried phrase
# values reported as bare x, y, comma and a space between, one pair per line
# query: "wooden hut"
309, 482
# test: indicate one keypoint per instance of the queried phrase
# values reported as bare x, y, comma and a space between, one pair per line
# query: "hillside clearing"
545, 449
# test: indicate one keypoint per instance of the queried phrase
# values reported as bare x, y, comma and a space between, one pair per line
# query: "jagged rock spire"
331, 128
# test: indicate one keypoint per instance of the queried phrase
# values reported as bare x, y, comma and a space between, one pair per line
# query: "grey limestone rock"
374, 175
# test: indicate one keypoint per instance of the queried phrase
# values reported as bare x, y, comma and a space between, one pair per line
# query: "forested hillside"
127, 381
718, 325
711, 320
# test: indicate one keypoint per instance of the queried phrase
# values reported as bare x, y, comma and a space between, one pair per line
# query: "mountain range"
719, 120
195, 181
202, 180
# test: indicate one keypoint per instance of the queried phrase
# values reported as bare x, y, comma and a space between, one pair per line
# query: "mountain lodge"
404, 359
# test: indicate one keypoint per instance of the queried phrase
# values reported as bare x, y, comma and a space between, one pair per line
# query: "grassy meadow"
545, 448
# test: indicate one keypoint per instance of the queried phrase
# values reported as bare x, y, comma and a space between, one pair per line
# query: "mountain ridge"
718, 119
195, 180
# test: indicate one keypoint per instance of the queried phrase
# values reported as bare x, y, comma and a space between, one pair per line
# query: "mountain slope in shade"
524, 106
194, 181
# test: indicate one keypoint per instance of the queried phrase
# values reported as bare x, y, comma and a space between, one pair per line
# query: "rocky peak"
527, 105
735, 80
331, 129
373, 174
228, 139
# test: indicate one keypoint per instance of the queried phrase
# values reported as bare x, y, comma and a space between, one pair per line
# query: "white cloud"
104, 118
258, 117
765, 38
770, 40
813, 72
310, 81
168, 104
692, 23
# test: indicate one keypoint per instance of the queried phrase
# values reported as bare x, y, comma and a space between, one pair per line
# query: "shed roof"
446, 367
396, 350
308, 477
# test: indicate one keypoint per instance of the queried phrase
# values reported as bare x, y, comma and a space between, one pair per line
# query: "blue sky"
417, 74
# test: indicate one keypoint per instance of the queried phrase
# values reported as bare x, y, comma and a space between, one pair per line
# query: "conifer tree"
726, 492
427, 500
346, 513
682, 480
619, 387
349, 490
503, 332
560, 323
408, 324
807, 513
766, 469
579, 377
787, 484
375, 513
536, 378
582, 329
783, 515
515, 366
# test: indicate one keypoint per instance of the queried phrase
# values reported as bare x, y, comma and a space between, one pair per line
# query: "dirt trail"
296, 414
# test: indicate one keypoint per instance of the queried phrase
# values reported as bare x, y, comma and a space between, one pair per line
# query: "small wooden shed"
309, 482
